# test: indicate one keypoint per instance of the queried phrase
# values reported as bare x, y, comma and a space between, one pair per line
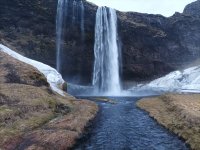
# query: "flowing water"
72, 13
82, 23
106, 66
123, 126
60, 24
120, 126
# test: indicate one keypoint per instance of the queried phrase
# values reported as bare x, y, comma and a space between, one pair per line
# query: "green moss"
52, 104
4, 109
48, 103
33, 122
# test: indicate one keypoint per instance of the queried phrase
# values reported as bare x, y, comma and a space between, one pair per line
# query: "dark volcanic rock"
193, 9
29, 26
152, 45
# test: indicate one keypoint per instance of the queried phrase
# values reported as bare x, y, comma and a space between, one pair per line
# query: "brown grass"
32, 116
178, 113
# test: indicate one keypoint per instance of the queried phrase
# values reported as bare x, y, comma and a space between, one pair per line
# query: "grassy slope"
178, 113
28, 108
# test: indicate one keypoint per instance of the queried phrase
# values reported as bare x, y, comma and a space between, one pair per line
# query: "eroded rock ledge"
178, 113
32, 116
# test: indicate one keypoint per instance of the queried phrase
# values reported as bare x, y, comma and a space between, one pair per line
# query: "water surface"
123, 126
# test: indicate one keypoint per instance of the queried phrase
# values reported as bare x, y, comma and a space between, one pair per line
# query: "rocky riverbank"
178, 113
32, 116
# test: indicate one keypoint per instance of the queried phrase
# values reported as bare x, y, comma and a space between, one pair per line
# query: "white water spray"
106, 67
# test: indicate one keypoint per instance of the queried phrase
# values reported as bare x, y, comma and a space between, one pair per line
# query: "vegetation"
178, 113
30, 112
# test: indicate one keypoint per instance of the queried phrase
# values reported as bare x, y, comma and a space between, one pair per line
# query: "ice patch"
187, 80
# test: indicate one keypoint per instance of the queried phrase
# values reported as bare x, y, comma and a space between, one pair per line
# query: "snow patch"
187, 80
53, 77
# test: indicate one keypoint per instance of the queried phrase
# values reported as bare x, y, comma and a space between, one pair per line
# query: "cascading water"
74, 12
106, 66
60, 23
82, 22
65, 7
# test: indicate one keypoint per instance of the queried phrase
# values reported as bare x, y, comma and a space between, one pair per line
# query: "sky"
165, 7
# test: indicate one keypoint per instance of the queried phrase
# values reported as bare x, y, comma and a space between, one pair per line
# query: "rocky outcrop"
193, 9
29, 26
152, 45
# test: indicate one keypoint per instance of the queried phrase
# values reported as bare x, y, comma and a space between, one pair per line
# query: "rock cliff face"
193, 9
152, 45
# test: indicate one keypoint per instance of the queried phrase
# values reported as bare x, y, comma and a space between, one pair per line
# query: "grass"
28, 107
35, 108
37, 120
178, 113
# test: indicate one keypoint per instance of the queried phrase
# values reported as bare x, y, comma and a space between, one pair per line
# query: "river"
123, 126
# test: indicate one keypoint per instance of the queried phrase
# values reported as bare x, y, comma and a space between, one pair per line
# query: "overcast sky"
164, 7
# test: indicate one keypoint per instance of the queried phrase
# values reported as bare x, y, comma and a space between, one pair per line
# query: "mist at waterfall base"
106, 79
106, 74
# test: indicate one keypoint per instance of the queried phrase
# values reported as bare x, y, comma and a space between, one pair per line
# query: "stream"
123, 126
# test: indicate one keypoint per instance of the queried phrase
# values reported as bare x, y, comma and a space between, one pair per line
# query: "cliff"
152, 45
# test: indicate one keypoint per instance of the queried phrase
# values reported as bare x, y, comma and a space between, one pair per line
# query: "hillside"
32, 116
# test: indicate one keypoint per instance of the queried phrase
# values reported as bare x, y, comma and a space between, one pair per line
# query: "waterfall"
60, 24
82, 23
106, 66
65, 7
74, 12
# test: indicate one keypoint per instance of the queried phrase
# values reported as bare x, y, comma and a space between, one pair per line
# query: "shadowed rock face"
193, 9
152, 45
